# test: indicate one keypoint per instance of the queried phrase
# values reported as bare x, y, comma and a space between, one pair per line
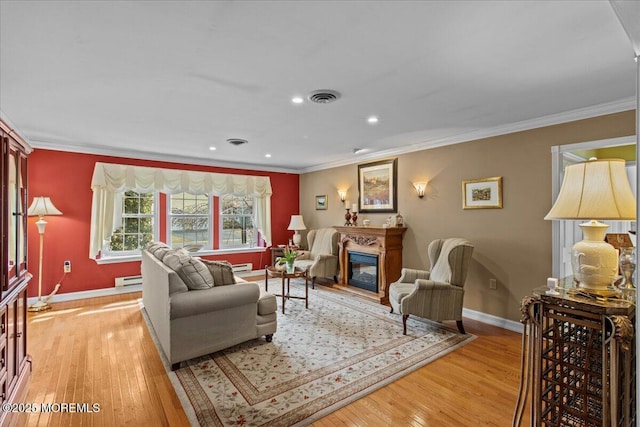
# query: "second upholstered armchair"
321, 259
435, 294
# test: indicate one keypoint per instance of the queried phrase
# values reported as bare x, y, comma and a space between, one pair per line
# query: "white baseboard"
71, 296
493, 320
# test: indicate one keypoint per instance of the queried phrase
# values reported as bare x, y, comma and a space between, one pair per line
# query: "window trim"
107, 253
138, 256
255, 241
209, 216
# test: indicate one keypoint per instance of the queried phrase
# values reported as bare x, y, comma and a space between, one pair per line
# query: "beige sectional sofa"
197, 307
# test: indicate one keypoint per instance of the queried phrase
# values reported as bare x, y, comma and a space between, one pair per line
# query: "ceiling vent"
324, 96
237, 141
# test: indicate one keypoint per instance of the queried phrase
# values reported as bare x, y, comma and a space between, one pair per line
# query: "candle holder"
627, 267
354, 219
347, 218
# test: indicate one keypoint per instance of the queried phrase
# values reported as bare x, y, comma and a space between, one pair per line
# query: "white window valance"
109, 179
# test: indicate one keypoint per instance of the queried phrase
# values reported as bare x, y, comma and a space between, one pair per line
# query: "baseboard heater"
242, 267
128, 281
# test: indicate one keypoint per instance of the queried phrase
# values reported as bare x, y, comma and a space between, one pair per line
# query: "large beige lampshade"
594, 190
296, 224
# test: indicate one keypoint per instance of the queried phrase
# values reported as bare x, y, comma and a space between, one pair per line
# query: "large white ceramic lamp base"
594, 261
297, 238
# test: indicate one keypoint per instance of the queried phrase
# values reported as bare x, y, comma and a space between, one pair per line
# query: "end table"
298, 272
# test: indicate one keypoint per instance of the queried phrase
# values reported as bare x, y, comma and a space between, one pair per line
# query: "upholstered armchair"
435, 294
321, 260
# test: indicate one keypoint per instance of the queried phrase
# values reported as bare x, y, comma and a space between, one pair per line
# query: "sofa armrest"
218, 298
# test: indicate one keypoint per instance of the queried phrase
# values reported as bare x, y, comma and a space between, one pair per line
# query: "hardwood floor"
99, 351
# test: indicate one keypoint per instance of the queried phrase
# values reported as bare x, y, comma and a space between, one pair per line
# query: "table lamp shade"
42, 206
594, 190
597, 189
297, 223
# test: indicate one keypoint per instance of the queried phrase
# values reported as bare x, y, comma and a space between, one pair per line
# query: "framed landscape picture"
378, 187
321, 202
483, 193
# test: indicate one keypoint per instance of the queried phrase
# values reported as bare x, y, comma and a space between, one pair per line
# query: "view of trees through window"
189, 219
136, 227
236, 215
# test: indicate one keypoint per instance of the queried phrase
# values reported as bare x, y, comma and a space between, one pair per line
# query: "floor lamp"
40, 207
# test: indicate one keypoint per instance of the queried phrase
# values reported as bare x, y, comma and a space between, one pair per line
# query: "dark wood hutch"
15, 363
386, 243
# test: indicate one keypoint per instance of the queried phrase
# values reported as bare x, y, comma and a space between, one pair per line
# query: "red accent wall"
65, 177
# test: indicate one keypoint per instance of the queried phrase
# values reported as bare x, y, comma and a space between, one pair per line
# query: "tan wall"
513, 244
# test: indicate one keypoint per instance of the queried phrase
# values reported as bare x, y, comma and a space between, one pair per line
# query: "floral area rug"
321, 358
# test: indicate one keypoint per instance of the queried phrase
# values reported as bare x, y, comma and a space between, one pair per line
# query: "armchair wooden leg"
460, 327
313, 283
335, 279
268, 338
391, 310
404, 324
175, 366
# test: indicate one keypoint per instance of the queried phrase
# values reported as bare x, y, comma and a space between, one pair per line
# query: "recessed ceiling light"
372, 120
267, 155
297, 100
212, 148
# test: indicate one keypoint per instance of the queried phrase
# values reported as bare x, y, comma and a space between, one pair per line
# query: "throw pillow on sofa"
221, 271
191, 270
158, 249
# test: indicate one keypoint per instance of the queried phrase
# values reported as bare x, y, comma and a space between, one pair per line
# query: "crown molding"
550, 120
145, 155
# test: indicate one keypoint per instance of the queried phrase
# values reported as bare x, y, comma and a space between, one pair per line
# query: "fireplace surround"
385, 243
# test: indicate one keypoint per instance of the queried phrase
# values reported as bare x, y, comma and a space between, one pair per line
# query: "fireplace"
363, 271
382, 243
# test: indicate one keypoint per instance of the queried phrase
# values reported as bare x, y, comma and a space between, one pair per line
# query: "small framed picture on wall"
321, 202
483, 193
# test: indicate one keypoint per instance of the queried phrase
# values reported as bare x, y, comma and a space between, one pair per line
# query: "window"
189, 219
134, 222
236, 220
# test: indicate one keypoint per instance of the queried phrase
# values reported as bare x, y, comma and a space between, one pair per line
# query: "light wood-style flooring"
99, 351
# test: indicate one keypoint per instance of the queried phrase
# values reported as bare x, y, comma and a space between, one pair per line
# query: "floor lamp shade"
296, 224
595, 190
41, 207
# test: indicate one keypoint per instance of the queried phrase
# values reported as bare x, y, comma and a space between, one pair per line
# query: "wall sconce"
420, 187
343, 195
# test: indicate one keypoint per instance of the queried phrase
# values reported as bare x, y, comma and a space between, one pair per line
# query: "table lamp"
595, 190
296, 224
41, 206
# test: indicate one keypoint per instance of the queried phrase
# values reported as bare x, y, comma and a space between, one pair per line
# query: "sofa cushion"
221, 271
158, 249
218, 298
191, 270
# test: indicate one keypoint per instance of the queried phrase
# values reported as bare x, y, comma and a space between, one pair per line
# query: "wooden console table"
578, 360
386, 243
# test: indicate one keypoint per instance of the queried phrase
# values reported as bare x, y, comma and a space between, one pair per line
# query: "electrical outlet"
493, 284
67, 266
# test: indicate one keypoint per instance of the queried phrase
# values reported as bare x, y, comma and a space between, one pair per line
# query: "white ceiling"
167, 80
